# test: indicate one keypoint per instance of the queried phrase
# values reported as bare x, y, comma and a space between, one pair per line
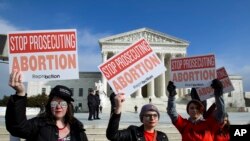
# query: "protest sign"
208, 92
132, 68
44, 55
196, 71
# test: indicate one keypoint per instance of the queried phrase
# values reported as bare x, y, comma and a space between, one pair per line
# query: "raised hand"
15, 81
171, 88
217, 86
119, 99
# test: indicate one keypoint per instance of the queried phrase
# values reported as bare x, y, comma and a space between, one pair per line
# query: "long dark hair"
47, 114
225, 129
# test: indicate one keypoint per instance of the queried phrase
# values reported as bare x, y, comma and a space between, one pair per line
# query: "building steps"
96, 129
99, 133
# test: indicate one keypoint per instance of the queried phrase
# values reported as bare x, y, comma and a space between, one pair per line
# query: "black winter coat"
97, 99
37, 128
132, 133
92, 100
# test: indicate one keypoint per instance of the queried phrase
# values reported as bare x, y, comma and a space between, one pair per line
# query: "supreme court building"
164, 45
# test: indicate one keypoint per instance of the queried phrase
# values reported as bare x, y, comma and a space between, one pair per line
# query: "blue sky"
220, 27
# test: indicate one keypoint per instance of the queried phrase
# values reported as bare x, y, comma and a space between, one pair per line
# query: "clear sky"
220, 27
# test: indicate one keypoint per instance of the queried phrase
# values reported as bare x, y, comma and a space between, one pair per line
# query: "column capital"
104, 56
115, 52
172, 55
105, 53
162, 55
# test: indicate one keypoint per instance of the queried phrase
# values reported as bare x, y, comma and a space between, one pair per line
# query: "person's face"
150, 119
193, 111
58, 107
225, 121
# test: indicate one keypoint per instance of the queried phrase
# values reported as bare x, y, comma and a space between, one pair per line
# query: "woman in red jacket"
195, 128
223, 133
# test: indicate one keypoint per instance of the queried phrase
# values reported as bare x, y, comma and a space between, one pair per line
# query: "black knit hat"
63, 92
149, 107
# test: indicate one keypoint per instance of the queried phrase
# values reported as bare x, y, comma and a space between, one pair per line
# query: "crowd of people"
57, 123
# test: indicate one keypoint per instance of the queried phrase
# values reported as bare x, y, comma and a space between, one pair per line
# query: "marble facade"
165, 46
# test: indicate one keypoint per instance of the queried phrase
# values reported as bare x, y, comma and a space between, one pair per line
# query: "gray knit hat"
149, 107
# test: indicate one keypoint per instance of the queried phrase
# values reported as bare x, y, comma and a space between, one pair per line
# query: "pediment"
150, 35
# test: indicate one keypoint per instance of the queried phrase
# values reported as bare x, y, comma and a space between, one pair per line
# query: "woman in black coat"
56, 123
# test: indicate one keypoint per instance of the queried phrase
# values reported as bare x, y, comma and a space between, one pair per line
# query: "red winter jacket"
199, 131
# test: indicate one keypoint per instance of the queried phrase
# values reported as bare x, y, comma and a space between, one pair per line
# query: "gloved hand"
194, 94
217, 86
171, 88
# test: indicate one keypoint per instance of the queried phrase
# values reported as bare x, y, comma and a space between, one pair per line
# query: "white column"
182, 91
162, 78
169, 64
167, 74
180, 94
151, 89
138, 93
104, 81
185, 92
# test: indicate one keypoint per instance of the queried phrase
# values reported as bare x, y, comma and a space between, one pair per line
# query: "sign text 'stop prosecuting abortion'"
44, 55
133, 68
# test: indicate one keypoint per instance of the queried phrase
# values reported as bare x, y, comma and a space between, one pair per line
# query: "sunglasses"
63, 104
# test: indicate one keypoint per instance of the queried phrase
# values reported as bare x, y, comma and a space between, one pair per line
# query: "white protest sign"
208, 92
43, 55
196, 71
132, 68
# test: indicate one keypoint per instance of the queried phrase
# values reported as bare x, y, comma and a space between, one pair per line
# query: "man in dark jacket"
98, 102
149, 116
91, 103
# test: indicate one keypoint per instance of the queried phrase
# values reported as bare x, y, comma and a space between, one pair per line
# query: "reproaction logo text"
143, 82
51, 76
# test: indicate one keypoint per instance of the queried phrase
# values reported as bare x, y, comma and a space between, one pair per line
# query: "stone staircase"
172, 133
4, 134
96, 129
99, 134
161, 104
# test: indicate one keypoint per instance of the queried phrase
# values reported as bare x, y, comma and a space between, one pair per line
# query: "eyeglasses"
63, 104
151, 115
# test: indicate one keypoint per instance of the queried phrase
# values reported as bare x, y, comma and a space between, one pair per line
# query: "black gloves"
171, 89
218, 87
194, 94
